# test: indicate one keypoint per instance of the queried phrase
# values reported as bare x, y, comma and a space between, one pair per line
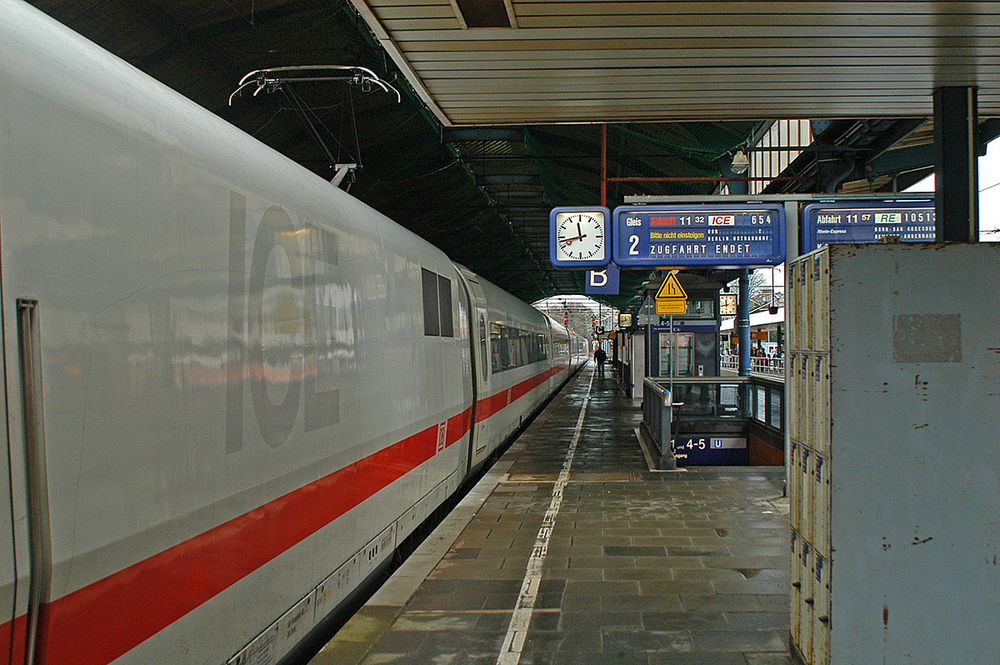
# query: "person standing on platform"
601, 357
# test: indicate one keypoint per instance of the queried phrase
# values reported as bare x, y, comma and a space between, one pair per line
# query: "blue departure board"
721, 235
866, 222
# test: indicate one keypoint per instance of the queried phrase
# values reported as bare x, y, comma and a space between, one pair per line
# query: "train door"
480, 338
483, 381
11, 631
17, 592
550, 350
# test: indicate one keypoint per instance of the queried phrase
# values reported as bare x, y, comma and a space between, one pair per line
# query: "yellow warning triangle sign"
671, 289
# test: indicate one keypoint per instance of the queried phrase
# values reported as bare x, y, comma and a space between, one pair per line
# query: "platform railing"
766, 366
746, 403
709, 396
657, 416
770, 366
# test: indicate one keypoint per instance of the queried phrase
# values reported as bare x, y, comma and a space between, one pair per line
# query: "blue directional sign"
866, 222
710, 450
723, 235
602, 281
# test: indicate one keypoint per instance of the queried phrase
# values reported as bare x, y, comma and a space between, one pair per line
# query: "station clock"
579, 237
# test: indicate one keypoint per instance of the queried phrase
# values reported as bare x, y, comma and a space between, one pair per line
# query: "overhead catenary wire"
311, 110
296, 102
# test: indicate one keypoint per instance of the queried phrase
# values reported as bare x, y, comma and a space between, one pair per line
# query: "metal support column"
743, 322
956, 125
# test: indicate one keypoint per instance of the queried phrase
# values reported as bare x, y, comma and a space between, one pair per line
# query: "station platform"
570, 550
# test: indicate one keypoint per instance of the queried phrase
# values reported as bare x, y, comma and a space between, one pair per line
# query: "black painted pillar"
956, 125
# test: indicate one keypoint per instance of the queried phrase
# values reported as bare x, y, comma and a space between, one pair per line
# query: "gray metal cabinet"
894, 462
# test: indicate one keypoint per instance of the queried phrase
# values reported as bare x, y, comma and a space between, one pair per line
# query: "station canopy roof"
533, 61
683, 83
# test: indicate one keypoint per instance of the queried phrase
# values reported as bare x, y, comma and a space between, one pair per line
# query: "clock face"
580, 236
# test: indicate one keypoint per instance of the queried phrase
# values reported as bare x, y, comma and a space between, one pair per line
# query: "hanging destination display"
721, 235
838, 222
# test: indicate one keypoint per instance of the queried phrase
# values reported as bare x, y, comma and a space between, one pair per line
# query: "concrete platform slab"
636, 567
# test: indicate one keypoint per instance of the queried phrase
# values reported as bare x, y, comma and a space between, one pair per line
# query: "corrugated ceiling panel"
589, 61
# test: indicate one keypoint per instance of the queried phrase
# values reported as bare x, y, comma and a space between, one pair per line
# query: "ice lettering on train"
329, 330
275, 335
291, 323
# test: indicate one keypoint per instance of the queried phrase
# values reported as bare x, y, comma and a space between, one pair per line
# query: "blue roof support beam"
921, 157
832, 171
903, 160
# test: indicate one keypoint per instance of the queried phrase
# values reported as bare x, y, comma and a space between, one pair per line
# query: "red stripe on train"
458, 426
488, 406
106, 619
13, 638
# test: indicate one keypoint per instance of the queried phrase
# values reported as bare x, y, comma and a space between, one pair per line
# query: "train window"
432, 316
513, 347
515, 344
498, 348
444, 302
436, 289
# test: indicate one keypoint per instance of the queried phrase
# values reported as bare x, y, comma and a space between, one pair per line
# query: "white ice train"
230, 389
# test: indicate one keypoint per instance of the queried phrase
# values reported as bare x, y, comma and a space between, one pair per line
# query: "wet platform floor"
684, 568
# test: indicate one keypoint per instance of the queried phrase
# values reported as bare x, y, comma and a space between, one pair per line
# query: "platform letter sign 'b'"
603, 281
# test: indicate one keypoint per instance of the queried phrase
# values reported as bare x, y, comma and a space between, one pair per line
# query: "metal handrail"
701, 379
774, 366
657, 419
769, 366
729, 401
654, 385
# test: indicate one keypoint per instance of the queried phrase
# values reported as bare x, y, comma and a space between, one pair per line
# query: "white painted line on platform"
520, 620
403, 583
